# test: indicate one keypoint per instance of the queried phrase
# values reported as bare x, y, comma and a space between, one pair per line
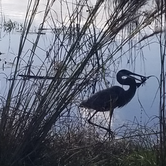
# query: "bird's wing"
114, 94
104, 100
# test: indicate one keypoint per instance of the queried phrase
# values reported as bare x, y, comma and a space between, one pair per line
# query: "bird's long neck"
130, 92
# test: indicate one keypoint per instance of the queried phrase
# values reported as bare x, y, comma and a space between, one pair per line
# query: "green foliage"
140, 158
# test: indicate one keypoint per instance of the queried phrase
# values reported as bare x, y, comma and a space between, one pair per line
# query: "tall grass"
40, 123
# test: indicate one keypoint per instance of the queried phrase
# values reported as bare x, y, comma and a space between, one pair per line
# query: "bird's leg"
107, 129
89, 120
110, 118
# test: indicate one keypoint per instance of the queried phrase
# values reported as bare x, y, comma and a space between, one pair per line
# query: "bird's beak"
142, 79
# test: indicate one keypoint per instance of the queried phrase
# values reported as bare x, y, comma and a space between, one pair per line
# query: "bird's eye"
124, 77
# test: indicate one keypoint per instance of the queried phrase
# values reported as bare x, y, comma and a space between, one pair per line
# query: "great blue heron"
109, 99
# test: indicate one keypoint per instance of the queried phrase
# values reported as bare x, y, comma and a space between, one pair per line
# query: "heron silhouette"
115, 96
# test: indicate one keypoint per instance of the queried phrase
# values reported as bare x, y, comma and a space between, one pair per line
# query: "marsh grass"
35, 111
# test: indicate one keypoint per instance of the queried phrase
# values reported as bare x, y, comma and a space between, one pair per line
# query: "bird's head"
125, 77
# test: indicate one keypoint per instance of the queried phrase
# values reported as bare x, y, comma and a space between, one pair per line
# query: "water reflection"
14, 10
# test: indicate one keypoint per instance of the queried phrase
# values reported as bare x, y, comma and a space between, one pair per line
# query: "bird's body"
109, 98
116, 96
